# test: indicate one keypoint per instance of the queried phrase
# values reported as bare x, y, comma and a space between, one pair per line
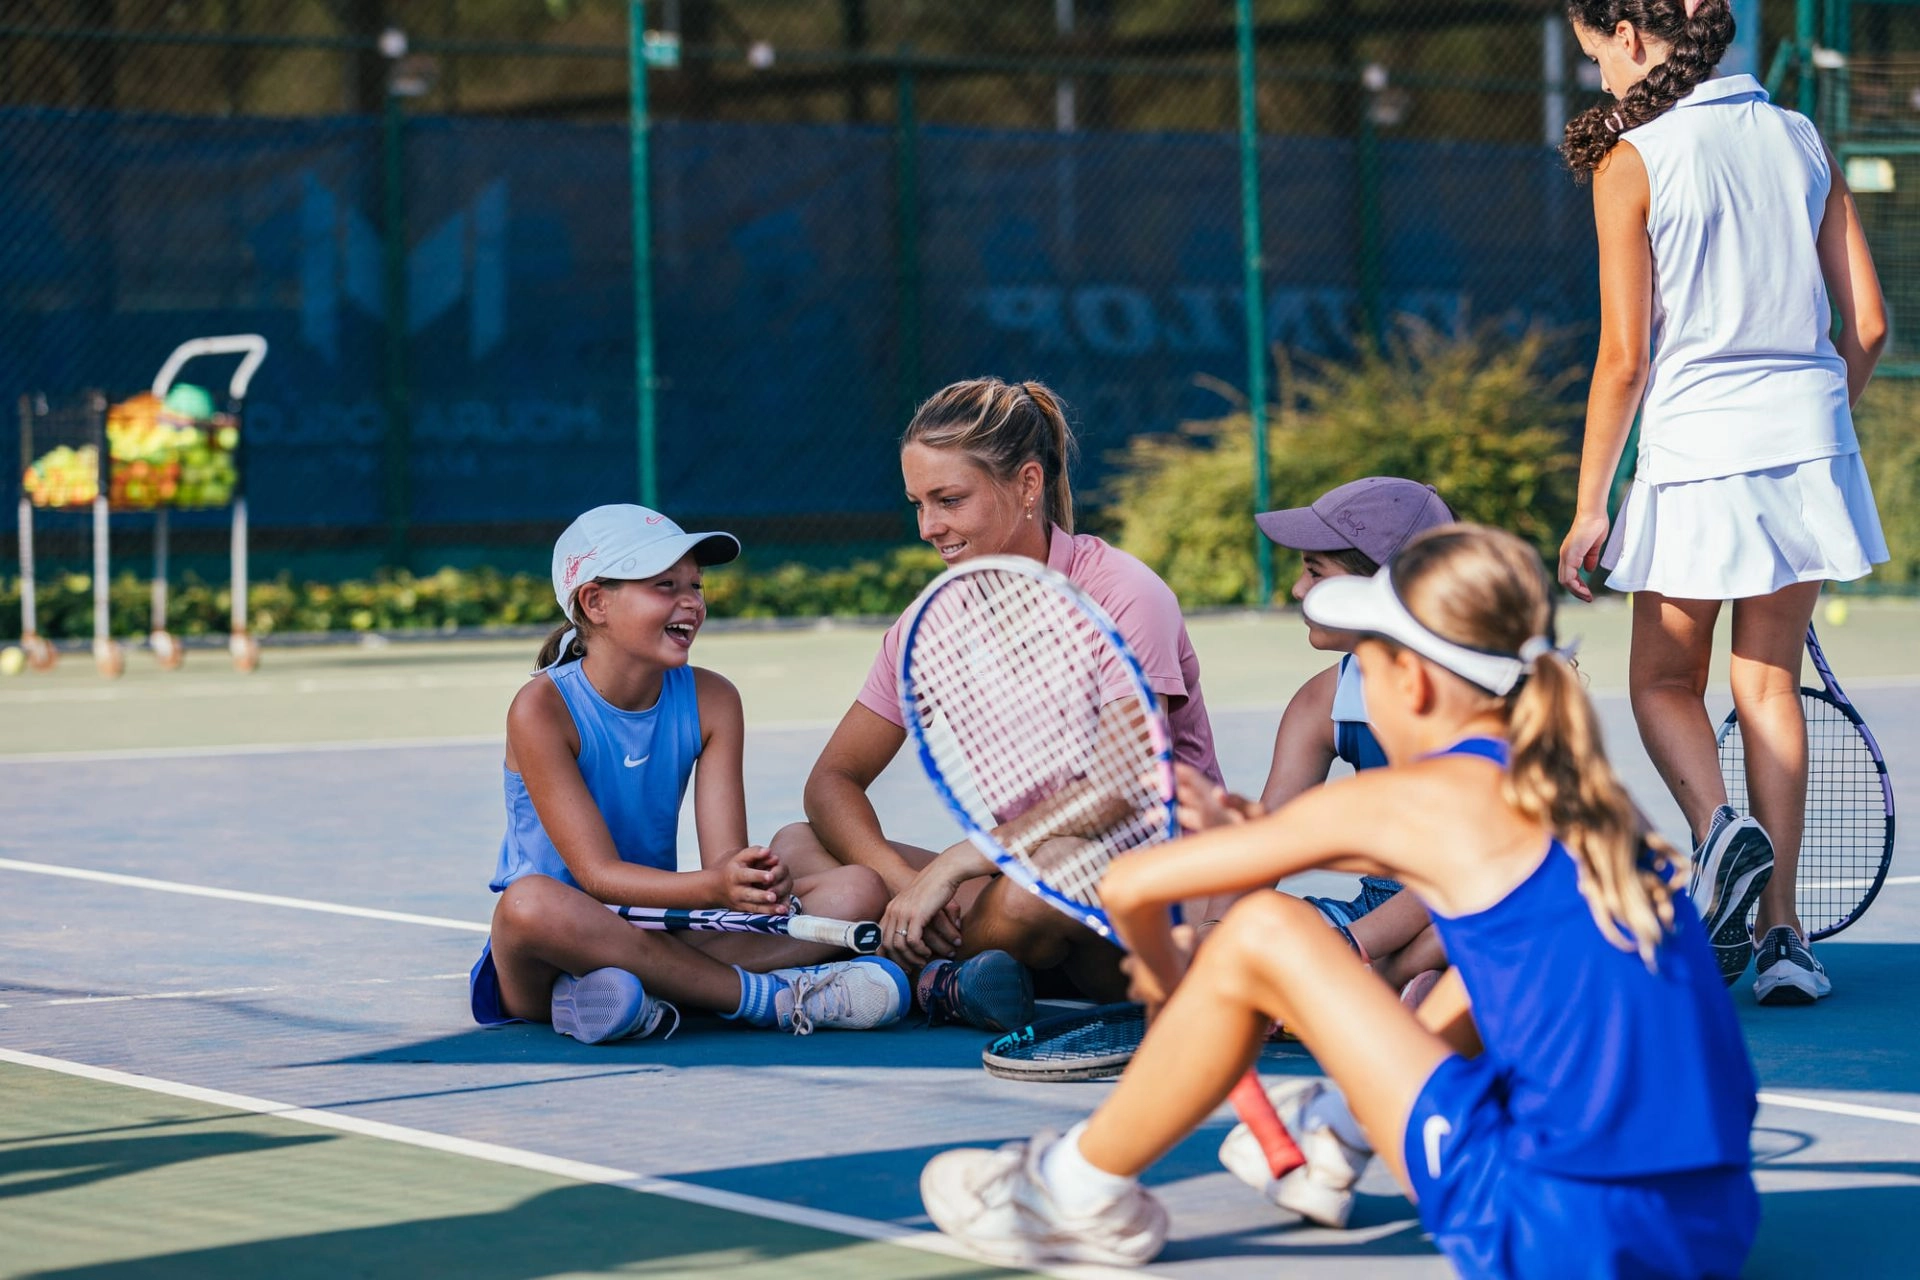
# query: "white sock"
1329, 1109
1078, 1187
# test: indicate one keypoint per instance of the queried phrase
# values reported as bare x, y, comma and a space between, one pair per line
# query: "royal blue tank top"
636, 764
1609, 1070
1353, 742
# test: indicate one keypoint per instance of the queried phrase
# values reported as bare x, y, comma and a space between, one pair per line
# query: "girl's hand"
1581, 550
1145, 987
1202, 804
921, 924
755, 879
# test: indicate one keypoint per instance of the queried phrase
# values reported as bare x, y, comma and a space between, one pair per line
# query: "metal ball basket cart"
167, 449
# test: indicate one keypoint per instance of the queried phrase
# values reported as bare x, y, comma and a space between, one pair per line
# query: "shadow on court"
592, 1228
1863, 1037
1849, 1230
32, 1167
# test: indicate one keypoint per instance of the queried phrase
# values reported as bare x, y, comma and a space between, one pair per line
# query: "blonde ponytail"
1487, 590
1003, 426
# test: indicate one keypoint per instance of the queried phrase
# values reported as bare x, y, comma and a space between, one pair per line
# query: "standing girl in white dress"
1728, 244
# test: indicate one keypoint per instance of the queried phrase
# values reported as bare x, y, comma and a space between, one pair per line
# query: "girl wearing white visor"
601, 744
1574, 1098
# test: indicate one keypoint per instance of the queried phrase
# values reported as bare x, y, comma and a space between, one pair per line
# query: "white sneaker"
1788, 972
851, 995
607, 1004
1730, 870
997, 1204
1321, 1190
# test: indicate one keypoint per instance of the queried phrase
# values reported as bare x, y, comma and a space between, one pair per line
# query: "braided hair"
1696, 45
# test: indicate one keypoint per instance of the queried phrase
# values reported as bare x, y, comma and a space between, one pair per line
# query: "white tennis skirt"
1749, 534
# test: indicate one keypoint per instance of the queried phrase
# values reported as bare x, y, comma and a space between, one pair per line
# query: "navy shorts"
483, 991
1492, 1215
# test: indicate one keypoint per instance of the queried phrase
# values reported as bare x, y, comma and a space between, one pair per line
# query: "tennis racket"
862, 936
1034, 722
1087, 1044
1848, 845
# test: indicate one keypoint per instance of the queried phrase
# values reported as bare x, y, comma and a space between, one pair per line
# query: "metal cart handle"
249, 345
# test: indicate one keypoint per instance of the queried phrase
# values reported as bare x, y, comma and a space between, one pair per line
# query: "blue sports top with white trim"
1609, 1069
636, 765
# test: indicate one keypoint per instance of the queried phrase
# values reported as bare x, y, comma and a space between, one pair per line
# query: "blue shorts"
1374, 890
483, 991
1492, 1215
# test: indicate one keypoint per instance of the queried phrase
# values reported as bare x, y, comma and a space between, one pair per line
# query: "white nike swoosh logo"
631, 763
1436, 1128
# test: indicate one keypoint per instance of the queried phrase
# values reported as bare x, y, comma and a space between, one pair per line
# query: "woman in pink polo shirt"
985, 466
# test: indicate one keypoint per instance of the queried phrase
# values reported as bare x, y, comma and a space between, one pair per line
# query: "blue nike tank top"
1353, 742
636, 765
1609, 1070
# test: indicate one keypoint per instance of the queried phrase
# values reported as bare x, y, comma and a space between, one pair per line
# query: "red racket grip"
1255, 1109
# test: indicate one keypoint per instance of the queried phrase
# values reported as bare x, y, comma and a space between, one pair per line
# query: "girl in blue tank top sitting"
601, 744
1574, 1098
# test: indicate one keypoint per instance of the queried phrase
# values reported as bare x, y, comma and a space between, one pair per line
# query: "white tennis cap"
625, 541
1371, 605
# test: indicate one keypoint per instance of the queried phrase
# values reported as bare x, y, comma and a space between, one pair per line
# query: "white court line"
239, 895
242, 991
578, 1171
1858, 1110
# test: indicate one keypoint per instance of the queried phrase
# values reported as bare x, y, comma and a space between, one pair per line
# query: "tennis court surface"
236, 915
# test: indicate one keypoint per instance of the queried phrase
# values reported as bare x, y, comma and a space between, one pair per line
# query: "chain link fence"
427, 207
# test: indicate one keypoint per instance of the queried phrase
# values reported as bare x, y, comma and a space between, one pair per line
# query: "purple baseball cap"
1374, 516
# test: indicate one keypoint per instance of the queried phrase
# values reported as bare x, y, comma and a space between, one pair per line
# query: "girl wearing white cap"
601, 744
984, 464
1728, 245
1573, 1099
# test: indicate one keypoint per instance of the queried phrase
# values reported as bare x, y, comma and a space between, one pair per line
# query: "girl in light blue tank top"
601, 746
1573, 1099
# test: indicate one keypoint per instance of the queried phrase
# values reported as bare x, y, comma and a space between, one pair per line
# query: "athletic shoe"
1419, 987
997, 1204
607, 1004
992, 991
1730, 870
848, 995
1786, 970
1321, 1190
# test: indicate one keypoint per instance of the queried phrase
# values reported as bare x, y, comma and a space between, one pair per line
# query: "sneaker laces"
834, 1000
651, 1017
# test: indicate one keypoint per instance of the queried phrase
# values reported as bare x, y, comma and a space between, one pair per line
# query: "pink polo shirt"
1148, 615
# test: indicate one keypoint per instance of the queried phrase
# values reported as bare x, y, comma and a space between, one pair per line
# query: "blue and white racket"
862, 936
1848, 842
1034, 721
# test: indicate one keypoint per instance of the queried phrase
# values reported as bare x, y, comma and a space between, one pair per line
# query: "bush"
453, 600
1484, 418
1885, 419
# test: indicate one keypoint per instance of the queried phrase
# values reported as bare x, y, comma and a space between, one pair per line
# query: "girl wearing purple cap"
601, 745
1728, 245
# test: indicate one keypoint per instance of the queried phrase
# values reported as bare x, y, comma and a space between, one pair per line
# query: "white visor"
1370, 605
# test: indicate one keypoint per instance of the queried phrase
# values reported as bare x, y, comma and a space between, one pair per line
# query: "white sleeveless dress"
1749, 476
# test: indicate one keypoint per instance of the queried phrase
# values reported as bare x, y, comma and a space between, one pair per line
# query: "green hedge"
453, 600
1485, 418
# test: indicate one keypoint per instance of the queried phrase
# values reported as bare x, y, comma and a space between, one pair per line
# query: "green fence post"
638, 139
1806, 27
906, 269
1253, 276
399, 457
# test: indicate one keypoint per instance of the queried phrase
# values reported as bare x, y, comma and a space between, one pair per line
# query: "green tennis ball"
13, 660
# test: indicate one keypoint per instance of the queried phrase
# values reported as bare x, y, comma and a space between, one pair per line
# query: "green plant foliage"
453, 600
1483, 417
1886, 418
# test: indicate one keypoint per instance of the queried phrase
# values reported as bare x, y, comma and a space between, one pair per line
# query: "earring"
1029, 511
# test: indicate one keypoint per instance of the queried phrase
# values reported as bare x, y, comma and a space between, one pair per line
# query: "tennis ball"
13, 660
1836, 613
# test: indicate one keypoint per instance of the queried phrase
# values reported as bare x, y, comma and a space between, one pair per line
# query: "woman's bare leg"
1667, 677
1769, 635
1272, 957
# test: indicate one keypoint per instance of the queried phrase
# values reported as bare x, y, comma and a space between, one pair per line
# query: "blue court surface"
234, 1038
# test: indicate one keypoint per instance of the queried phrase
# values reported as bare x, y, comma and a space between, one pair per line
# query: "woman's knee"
846, 893
527, 908
1258, 941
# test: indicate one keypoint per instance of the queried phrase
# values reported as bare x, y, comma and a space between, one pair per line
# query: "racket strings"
1843, 845
1015, 677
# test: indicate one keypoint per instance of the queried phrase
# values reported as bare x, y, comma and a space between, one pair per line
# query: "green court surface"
103, 1180
237, 913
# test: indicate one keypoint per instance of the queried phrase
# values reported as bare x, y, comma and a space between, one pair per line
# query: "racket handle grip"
862, 936
1255, 1109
